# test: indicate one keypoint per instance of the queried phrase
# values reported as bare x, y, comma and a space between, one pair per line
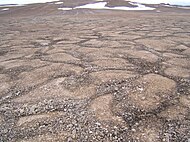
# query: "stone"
60, 137
26, 120
148, 131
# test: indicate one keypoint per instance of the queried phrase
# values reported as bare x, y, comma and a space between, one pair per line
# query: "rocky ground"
94, 75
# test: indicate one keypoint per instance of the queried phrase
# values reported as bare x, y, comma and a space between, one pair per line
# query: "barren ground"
94, 75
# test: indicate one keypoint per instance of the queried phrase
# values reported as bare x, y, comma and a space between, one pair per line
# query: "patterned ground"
98, 76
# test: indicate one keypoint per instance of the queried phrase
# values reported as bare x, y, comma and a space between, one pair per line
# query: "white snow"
99, 5
65, 8
5, 9
102, 5
59, 2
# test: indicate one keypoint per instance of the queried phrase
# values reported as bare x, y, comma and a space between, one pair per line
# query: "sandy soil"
94, 75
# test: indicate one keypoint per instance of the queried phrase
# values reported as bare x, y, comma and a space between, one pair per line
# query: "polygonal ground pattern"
94, 75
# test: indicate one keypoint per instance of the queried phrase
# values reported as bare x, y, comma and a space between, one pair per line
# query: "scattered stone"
148, 131
48, 138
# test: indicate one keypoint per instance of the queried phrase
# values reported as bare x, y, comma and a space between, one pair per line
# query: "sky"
172, 2
24, 1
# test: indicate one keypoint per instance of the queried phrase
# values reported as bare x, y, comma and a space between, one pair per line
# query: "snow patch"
102, 5
59, 2
5, 9
65, 8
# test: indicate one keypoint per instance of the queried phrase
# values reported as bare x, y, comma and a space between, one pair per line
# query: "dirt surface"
94, 75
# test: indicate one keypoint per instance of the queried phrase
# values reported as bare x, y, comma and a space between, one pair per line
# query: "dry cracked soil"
94, 75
